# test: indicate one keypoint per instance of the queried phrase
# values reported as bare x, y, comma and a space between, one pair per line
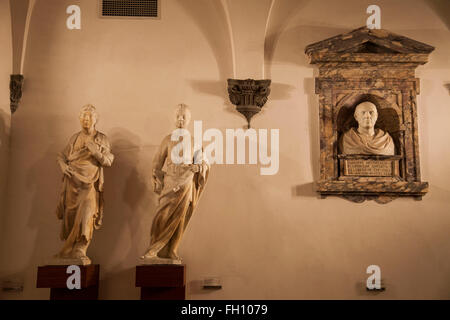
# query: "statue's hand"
67, 171
98, 222
92, 147
157, 186
193, 167
157, 181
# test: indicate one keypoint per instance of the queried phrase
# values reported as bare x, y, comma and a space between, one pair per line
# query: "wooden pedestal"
55, 278
161, 282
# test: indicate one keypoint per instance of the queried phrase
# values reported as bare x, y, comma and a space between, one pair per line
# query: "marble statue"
179, 186
81, 201
366, 139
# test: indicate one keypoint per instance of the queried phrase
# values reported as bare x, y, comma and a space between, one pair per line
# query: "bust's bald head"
366, 114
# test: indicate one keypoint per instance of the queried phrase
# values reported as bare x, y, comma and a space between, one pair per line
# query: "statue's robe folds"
81, 201
352, 142
179, 194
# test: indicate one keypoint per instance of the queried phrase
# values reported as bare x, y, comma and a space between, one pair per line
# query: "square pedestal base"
55, 278
161, 282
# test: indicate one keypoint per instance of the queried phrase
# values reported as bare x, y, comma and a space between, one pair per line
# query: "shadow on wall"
214, 26
313, 124
214, 88
305, 190
447, 85
128, 212
287, 46
293, 53
295, 40
282, 13
4, 148
442, 9
4, 156
126, 192
44, 181
211, 20
278, 91
210, 17
361, 291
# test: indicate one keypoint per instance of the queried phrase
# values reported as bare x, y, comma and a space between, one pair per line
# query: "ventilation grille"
130, 8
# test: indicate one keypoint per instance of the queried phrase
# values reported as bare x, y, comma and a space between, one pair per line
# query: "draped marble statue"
179, 178
366, 139
81, 201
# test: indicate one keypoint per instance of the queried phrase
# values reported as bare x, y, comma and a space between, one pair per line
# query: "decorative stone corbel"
249, 95
15, 87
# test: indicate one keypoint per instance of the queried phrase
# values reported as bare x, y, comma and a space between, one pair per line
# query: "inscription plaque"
370, 168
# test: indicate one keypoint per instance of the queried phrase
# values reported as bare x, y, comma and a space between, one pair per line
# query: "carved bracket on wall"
249, 95
15, 87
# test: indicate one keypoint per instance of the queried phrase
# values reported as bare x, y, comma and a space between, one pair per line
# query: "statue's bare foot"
61, 255
149, 255
172, 255
78, 254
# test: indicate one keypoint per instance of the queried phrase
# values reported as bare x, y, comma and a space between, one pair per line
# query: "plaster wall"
5, 113
267, 237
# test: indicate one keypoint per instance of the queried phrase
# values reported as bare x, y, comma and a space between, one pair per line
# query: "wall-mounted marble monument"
369, 147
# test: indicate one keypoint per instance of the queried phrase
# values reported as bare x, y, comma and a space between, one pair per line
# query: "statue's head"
366, 114
88, 117
182, 116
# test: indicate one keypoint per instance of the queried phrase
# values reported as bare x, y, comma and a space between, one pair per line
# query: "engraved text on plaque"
368, 168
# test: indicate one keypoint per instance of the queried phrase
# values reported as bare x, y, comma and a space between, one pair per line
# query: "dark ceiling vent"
130, 8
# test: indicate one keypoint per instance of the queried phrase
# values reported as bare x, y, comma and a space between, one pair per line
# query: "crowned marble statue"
366, 139
179, 176
81, 201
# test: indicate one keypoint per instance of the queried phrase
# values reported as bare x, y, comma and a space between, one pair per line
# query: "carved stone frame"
376, 66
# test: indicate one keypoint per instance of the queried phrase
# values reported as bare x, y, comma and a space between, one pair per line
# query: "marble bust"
81, 204
179, 186
366, 139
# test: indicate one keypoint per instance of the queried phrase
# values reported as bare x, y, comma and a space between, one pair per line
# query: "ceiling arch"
21, 12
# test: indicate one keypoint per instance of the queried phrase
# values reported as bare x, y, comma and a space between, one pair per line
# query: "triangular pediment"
364, 40
370, 47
